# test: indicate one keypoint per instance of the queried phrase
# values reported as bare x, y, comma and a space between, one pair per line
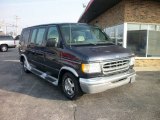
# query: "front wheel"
4, 48
70, 86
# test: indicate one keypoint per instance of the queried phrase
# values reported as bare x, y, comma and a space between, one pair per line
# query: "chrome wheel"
69, 86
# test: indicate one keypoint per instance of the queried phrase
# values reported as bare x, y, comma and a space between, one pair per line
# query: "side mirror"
17, 37
52, 42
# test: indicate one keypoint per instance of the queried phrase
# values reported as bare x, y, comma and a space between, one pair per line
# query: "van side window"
53, 34
40, 36
25, 36
33, 35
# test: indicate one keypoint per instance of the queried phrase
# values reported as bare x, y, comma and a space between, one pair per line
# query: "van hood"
102, 53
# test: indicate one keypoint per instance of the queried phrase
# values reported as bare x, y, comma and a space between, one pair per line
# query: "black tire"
24, 67
4, 48
73, 92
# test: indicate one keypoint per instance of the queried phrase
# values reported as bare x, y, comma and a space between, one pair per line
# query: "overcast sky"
33, 12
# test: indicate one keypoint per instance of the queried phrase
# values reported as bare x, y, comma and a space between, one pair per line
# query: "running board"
45, 76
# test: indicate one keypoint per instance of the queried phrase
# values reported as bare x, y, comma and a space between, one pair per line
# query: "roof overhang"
95, 8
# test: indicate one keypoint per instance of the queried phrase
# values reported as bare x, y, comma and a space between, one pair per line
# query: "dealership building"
133, 24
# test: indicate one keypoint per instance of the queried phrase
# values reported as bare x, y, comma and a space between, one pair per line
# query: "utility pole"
16, 18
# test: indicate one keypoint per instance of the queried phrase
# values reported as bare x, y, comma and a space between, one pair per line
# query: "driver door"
52, 53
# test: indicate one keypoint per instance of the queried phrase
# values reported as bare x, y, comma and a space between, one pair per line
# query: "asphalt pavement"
28, 97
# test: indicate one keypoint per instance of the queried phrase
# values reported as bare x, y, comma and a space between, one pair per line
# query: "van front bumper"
100, 84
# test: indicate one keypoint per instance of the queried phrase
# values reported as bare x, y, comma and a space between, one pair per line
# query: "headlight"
91, 68
132, 61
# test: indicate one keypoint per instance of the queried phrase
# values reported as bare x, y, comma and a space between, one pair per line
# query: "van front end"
114, 74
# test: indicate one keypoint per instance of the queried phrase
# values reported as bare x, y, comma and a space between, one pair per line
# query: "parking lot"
28, 97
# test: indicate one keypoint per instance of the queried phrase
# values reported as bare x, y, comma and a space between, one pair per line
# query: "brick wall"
145, 11
147, 63
113, 16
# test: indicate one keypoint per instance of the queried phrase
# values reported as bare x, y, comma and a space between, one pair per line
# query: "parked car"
17, 40
6, 42
78, 57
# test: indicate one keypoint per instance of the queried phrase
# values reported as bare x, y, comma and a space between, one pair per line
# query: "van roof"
55, 24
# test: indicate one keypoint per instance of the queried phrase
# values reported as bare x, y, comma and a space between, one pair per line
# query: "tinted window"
40, 36
25, 36
53, 34
33, 36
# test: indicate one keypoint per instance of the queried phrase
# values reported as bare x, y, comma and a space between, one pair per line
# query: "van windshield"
81, 34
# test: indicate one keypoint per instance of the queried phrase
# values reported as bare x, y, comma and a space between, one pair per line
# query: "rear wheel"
25, 67
4, 48
70, 86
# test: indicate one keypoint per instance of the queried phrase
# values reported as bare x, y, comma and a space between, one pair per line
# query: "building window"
153, 44
136, 41
158, 28
144, 39
119, 35
143, 27
152, 27
133, 27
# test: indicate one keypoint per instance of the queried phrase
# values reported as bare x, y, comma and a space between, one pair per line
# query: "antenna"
70, 34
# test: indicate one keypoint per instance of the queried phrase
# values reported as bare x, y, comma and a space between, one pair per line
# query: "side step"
45, 76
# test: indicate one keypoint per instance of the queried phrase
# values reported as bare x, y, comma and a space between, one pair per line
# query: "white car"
6, 42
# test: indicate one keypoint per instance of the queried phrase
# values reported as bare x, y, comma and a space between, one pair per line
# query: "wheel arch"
22, 58
64, 70
4, 44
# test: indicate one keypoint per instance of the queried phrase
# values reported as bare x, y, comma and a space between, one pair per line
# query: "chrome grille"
113, 67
